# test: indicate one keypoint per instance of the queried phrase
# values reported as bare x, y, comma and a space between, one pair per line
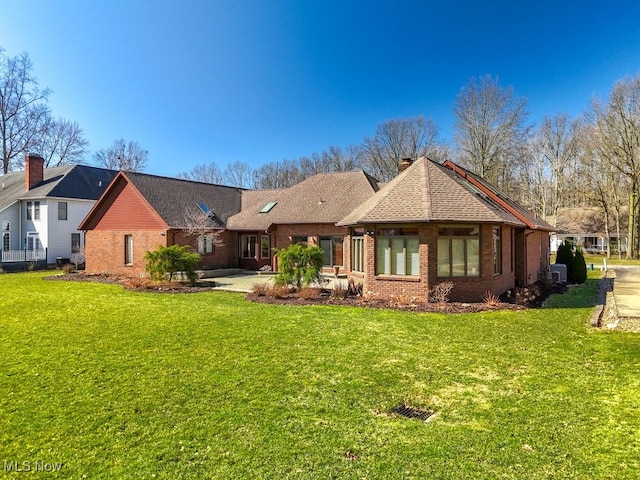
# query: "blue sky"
260, 81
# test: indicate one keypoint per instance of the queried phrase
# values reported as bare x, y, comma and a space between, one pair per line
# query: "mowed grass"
116, 384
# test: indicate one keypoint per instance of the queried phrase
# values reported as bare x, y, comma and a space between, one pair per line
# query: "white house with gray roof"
41, 208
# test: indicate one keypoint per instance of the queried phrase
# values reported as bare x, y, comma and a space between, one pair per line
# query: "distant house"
432, 223
40, 210
139, 212
585, 227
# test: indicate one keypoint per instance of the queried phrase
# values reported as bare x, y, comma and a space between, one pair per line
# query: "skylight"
205, 209
268, 207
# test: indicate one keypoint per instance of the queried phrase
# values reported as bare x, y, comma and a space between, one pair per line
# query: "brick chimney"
34, 170
404, 164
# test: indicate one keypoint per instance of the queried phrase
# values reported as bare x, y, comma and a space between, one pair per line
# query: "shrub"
565, 257
339, 290
309, 293
77, 258
440, 293
260, 289
278, 291
299, 265
490, 299
67, 268
170, 260
579, 267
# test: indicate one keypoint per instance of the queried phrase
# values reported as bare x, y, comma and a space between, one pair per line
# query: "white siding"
59, 232
11, 214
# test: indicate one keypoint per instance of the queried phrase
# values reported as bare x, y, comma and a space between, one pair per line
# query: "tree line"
590, 160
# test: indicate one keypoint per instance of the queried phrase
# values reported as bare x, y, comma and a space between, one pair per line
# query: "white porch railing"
9, 256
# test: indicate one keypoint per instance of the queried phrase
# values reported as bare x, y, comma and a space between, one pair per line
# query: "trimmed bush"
167, 261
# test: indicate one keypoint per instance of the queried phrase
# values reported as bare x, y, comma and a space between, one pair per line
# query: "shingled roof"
322, 198
430, 192
69, 181
169, 197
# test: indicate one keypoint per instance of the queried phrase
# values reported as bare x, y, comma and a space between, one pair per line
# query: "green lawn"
116, 384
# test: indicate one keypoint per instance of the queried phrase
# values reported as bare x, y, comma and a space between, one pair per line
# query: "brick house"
436, 223
307, 212
139, 212
432, 223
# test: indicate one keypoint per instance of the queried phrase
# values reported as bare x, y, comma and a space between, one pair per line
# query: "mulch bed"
293, 298
137, 284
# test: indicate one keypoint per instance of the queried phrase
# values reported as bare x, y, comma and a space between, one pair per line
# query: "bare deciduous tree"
617, 130
61, 142
395, 140
23, 109
239, 174
203, 226
491, 129
204, 172
121, 155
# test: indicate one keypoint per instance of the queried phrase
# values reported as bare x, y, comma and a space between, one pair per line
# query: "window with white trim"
62, 210
6, 241
205, 244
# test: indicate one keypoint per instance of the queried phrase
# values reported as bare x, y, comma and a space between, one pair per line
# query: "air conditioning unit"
559, 270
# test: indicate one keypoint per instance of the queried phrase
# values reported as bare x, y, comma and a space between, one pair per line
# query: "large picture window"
248, 246
397, 251
459, 251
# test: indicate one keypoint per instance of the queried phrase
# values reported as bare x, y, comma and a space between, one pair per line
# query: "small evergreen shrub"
299, 265
167, 261
579, 267
565, 257
576, 266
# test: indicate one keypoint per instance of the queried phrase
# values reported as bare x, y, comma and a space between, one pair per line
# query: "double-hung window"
459, 251
397, 251
62, 211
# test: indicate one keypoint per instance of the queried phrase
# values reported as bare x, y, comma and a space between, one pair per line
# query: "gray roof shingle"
172, 197
69, 181
427, 192
322, 198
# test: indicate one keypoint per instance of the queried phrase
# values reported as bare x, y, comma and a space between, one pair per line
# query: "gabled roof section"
69, 181
429, 192
524, 215
171, 197
322, 198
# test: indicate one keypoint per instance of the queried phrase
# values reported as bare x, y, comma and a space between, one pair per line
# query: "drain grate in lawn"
406, 411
